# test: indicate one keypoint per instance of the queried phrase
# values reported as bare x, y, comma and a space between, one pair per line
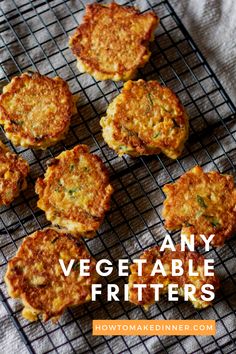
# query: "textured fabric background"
212, 25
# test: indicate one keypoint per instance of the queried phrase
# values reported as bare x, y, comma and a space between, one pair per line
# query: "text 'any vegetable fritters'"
112, 42
166, 257
75, 192
35, 275
13, 172
145, 119
36, 110
201, 203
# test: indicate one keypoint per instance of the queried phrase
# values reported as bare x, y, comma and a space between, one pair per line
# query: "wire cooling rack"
34, 35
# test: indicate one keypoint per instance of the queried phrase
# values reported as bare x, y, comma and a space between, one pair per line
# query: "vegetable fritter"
13, 172
201, 203
166, 257
75, 192
112, 42
36, 110
146, 118
35, 276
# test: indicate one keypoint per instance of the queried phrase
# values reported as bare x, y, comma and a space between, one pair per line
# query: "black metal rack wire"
34, 35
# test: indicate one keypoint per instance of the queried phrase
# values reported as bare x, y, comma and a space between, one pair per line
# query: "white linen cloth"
212, 25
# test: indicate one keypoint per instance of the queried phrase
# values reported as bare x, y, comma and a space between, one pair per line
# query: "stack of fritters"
13, 172
151, 256
36, 110
75, 192
201, 203
35, 276
112, 42
145, 119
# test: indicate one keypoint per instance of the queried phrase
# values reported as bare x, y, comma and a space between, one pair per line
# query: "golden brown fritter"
112, 42
152, 255
145, 119
75, 192
201, 203
36, 110
35, 275
13, 172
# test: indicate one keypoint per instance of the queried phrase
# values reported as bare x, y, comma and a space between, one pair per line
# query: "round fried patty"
146, 118
13, 172
35, 276
112, 42
152, 255
201, 203
75, 192
36, 110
